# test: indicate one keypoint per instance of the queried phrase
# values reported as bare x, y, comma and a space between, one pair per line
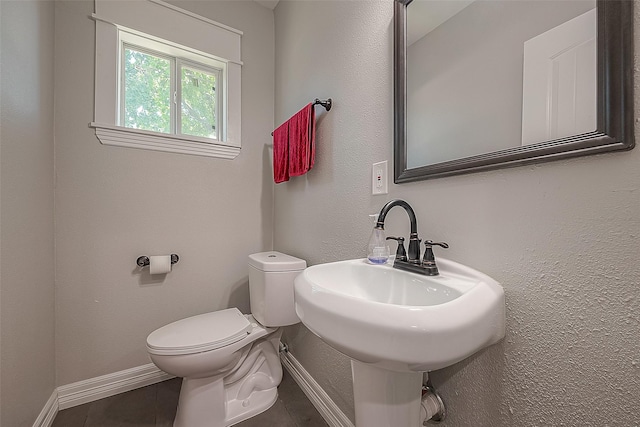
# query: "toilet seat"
200, 333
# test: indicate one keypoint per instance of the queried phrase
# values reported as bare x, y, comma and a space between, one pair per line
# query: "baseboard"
49, 412
86, 391
109, 385
320, 399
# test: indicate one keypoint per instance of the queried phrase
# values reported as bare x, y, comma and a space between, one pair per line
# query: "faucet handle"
428, 251
430, 243
429, 260
401, 254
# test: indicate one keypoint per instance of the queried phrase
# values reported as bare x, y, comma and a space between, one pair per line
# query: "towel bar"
327, 103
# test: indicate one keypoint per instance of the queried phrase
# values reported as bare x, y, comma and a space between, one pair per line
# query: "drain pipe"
432, 409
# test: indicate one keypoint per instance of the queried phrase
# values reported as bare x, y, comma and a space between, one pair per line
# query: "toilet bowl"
229, 361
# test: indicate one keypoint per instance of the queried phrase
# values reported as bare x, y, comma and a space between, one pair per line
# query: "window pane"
198, 104
147, 91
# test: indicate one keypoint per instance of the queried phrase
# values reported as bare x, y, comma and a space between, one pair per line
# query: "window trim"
137, 138
222, 41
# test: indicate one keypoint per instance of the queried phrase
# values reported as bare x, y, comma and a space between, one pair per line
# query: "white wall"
26, 211
114, 204
562, 237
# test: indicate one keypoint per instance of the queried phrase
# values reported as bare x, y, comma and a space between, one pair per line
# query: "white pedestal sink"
395, 325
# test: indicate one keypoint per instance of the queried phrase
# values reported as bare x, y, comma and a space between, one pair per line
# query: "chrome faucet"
410, 260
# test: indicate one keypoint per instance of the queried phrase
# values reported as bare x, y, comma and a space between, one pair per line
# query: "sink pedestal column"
386, 398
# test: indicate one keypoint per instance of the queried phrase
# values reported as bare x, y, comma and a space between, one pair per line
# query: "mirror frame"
614, 98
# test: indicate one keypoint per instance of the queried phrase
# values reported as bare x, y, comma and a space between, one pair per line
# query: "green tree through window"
147, 91
148, 94
198, 103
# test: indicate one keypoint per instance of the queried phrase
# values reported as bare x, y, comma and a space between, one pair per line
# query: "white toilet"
229, 361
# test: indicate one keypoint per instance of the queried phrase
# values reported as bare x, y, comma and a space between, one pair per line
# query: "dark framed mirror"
424, 148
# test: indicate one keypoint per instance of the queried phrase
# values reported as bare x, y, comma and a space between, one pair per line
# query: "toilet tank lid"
276, 261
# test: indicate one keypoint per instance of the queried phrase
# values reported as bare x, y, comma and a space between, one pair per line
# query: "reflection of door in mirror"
560, 81
465, 76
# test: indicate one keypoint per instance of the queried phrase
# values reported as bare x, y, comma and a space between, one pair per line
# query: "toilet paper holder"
143, 260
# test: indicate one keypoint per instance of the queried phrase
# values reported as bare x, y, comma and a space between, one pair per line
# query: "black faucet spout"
414, 243
386, 208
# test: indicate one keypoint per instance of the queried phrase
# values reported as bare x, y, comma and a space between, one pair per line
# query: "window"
166, 89
197, 95
170, 83
146, 88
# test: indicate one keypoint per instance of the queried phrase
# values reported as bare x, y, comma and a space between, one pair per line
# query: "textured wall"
26, 198
114, 204
562, 237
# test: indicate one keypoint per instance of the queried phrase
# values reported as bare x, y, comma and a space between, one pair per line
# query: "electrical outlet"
379, 178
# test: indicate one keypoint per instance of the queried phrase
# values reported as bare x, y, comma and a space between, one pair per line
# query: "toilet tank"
271, 276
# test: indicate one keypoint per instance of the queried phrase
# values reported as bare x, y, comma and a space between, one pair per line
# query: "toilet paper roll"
160, 264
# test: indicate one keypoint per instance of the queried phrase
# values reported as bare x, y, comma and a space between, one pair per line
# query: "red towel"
301, 141
294, 146
281, 153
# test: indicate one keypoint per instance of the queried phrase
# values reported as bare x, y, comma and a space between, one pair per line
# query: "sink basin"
398, 320
395, 325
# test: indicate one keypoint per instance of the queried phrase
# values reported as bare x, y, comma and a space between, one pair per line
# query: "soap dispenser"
378, 251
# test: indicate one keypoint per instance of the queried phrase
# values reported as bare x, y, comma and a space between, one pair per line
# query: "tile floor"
155, 406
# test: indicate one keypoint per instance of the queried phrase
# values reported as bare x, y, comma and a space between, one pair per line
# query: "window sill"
135, 138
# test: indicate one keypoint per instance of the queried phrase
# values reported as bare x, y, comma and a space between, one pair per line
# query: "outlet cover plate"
380, 178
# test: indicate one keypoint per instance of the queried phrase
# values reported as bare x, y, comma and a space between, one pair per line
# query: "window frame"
178, 57
219, 101
195, 37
